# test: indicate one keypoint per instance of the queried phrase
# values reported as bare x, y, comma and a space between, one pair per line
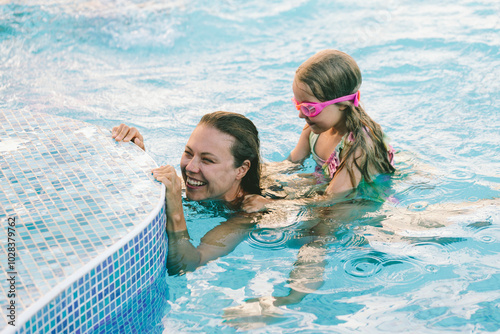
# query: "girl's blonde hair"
331, 74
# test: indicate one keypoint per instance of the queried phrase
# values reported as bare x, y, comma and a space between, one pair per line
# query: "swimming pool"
427, 263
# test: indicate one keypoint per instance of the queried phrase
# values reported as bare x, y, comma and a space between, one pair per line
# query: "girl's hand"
254, 203
173, 197
126, 134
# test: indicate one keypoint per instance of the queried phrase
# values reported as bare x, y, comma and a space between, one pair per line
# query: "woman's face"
330, 117
207, 166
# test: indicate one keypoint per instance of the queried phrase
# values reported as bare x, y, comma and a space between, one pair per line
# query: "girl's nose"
301, 115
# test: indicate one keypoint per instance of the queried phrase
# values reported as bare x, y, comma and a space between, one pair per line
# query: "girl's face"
207, 166
330, 117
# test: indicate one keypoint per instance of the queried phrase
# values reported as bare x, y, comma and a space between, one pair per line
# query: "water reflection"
431, 80
357, 248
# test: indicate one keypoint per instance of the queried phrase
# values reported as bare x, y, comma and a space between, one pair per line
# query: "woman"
221, 161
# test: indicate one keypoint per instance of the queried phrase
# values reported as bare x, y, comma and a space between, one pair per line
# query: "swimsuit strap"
333, 162
313, 138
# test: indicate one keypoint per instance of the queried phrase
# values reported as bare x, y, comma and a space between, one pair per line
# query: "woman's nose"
193, 166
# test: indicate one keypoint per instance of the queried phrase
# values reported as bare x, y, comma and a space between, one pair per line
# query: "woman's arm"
173, 198
219, 241
223, 239
182, 255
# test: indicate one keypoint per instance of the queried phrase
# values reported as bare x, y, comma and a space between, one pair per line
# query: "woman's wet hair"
246, 144
331, 74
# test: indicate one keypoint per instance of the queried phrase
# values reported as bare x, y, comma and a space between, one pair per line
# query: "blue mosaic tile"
75, 195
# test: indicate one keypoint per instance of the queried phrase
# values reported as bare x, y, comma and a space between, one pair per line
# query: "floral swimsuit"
325, 170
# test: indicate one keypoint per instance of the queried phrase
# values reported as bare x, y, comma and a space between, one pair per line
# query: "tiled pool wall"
96, 297
89, 231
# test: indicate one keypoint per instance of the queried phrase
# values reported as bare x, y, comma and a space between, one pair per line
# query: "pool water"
426, 260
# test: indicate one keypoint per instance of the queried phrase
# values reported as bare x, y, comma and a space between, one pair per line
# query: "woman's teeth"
195, 183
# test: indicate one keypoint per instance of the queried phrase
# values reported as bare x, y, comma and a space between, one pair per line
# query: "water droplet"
418, 206
431, 268
487, 238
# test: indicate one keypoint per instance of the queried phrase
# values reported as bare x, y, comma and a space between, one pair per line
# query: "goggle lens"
308, 110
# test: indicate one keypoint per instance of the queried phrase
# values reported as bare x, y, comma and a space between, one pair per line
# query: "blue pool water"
426, 261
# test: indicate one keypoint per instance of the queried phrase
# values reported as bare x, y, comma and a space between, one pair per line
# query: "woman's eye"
208, 161
187, 153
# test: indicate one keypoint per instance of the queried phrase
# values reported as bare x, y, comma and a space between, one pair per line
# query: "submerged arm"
219, 241
182, 255
306, 275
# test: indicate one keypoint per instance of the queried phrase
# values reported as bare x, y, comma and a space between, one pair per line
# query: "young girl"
347, 145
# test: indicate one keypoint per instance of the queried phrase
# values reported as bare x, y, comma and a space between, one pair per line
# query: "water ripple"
269, 238
487, 240
402, 271
362, 267
429, 252
460, 174
418, 206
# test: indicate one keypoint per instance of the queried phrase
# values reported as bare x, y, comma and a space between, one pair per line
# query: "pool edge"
32, 310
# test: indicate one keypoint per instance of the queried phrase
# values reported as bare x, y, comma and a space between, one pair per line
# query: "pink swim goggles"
311, 109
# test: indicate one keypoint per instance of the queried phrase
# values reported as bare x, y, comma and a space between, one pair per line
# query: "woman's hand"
126, 134
254, 203
173, 197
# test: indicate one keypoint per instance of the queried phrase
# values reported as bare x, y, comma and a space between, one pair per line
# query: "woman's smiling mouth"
192, 183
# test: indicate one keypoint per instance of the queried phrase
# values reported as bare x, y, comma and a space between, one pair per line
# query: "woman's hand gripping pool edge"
182, 256
173, 197
125, 133
164, 174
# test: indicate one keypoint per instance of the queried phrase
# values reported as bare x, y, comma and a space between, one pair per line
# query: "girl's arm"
256, 203
302, 150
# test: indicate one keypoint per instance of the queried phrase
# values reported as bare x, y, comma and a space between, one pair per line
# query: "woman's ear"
243, 169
